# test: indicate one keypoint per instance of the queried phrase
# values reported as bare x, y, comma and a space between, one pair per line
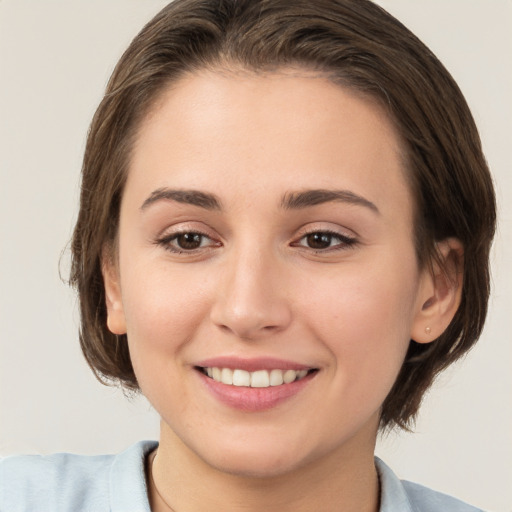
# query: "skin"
256, 287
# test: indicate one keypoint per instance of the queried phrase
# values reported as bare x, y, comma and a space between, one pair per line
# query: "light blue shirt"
117, 483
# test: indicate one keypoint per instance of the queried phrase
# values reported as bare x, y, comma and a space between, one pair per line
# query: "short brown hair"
356, 44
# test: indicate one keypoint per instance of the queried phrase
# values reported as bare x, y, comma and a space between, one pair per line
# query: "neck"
341, 481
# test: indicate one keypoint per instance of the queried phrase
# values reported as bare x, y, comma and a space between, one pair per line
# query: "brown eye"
324, 241
319, 240
189, 241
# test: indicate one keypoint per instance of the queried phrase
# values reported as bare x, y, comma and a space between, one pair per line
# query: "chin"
261, 466
248, 458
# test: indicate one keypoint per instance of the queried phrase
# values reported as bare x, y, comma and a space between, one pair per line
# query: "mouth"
254, 379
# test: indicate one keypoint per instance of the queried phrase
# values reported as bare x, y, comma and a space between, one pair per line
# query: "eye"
325, 240
186, 241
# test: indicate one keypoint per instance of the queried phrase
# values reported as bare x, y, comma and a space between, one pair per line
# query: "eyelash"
345, 242
167, 240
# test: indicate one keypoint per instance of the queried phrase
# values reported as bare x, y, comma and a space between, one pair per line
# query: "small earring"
428, 330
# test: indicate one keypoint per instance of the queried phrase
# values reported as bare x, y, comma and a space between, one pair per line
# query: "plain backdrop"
55, 59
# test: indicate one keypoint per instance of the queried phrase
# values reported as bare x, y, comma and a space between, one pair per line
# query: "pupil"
189, 240
319, 240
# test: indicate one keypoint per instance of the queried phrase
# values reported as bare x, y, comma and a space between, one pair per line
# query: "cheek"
163, 309
364, 319
164, 312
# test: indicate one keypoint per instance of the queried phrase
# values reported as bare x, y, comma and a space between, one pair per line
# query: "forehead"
291, 94
291, 127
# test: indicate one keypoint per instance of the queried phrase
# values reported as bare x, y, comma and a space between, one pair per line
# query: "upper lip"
251, 364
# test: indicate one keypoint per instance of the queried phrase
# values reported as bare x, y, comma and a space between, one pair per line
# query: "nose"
251, 302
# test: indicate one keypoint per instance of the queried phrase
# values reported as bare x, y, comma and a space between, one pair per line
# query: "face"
266, 273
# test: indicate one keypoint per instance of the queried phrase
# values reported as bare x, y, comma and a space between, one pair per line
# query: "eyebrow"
193, 197
307, 198
290, 201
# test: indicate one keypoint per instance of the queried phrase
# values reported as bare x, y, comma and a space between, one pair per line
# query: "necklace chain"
172, 510
155, 487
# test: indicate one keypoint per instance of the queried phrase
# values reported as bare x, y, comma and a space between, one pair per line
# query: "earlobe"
116, 322
440, 292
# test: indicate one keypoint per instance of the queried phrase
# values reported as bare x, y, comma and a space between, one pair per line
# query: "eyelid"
347, 240
170, 233
186, 227
326, 227
167, 244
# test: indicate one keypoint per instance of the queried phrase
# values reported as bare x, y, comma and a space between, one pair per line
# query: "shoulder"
64, 481
34, 482
402, 496
428, 500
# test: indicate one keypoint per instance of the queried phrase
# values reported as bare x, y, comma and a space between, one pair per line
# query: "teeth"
241, 378
260, 379
289, 376
257, 379
226, 376
276, 377
216, 373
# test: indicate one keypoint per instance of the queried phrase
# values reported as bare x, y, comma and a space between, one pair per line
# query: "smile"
255, 379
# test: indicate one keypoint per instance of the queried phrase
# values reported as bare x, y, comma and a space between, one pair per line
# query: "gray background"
55, 59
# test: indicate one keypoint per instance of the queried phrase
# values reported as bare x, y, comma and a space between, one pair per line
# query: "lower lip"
255, 399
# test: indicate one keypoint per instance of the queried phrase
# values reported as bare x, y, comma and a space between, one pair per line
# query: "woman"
283, 238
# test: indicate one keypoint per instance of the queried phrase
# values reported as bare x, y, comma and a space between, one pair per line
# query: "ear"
116, 321
440, 292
